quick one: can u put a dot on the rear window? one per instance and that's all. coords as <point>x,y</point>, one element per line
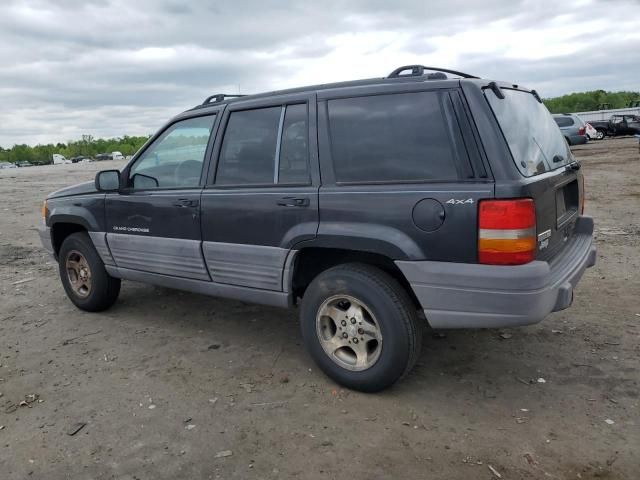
<point>391,138</point>
<point>535,141</point>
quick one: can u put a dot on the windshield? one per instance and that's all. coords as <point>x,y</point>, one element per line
<point>535,141</point>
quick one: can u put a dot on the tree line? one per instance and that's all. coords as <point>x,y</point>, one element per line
<point>87,146</point>
<point>593,100</point>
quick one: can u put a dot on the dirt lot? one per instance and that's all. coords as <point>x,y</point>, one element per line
<point>165,380</point>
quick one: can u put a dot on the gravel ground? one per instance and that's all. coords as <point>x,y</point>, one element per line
<point>176,385</point>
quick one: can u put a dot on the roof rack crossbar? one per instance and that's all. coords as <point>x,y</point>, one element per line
<point>219,97</point>
<point>418,70</point>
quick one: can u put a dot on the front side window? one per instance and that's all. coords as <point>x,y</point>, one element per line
<point>265,146</point>
<point>391,138</point>
<point>175,159</point>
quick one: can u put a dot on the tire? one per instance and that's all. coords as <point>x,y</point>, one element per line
<point>385,304</point>
<point>600,135</point>
<point>94,289</point>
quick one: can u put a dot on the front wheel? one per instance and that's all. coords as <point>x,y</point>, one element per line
<point>85,280</point>
<point>360,327</point>
<point>599,135</point>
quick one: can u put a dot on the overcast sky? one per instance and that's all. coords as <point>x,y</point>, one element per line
<point>116,67</point>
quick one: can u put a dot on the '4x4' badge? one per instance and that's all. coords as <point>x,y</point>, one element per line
<point>455,201</point>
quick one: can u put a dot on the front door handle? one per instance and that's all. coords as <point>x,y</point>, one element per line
<point>185,202</point>
<point>294,202</point>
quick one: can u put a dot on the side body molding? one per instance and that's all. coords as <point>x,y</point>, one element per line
<point>256,266</point>
<point>167,256</point>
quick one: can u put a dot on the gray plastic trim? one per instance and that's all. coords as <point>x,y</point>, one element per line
<point>45,237</point>
<point>245,294</point>
<point>460,295</point>
<point>166,256</point>
<point>256,266</point>
<point>99,240</point>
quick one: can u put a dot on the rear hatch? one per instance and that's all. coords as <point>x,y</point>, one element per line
<point>541,154</point>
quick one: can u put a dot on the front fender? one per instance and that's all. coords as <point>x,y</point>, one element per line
<point>88,212</point>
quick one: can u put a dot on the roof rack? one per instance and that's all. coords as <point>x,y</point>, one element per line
<point>418,70</point>
<point>219,97</point>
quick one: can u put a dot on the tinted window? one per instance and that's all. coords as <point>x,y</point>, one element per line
<point>248,148</point>
<point>175,158</point>
<point>563,121</point>
<point>294,151</point>
<point>533,137</point>
<point>400,137</point>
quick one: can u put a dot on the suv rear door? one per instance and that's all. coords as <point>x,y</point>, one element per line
<point>261,198</point>
<point>545,167</point>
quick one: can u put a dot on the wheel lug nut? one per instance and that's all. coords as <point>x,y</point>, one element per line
<point>353,320</point>
<point>344,323</point>
<point>355,340</point>
<point>360,331</point>
<point>344,335</point>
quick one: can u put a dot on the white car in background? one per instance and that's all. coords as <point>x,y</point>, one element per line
<point>4,165</point>
<point>60,159</point>
<point>591,132</point>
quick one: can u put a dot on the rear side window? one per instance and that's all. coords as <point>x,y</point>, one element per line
<point>564,121</point>
<point>386,138</point>
<point>265,146</point>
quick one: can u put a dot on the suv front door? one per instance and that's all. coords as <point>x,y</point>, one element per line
<point>261,200</point>
<point>153,224</point>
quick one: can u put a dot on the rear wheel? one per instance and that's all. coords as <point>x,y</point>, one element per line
<point>85,280</point>
<point>360,326</point>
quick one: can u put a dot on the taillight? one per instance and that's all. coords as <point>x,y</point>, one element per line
<point>581,131</point>
<point>506,231</point>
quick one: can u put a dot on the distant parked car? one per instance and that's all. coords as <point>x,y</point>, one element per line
<point>592,133</point>
<point>103,156</point>
<point>572,127</point>
<point>618,125</point>
<point>78,159</point>
<point>117,156</point>
<point>60,159</point>
<point>5,165</point>
<point>24,163</point>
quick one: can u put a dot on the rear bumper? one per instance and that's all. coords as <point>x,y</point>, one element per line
<point>45,238</point>
<point>578,139</point>
<point>457,295</point>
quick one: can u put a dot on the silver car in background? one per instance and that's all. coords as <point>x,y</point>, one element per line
<point>572,127</point>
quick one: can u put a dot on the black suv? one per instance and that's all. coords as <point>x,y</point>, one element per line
<point>377,206</point>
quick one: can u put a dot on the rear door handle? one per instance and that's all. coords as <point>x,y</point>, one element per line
<point>185,202</point>
<point>294,202</point>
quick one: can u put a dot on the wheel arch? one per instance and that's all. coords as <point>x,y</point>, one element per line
<point>62,228</point>
<point>311,261</point>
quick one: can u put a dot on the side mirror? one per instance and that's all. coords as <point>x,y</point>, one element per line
<point>108,181</point>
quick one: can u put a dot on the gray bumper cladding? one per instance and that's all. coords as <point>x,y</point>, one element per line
<point>45,238</point>
<point>457,295</point>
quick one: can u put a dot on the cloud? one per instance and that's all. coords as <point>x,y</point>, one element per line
<point>116,67</point>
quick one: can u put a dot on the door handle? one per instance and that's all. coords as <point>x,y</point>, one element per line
<point>294,202</point>
<point>185,202</point>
